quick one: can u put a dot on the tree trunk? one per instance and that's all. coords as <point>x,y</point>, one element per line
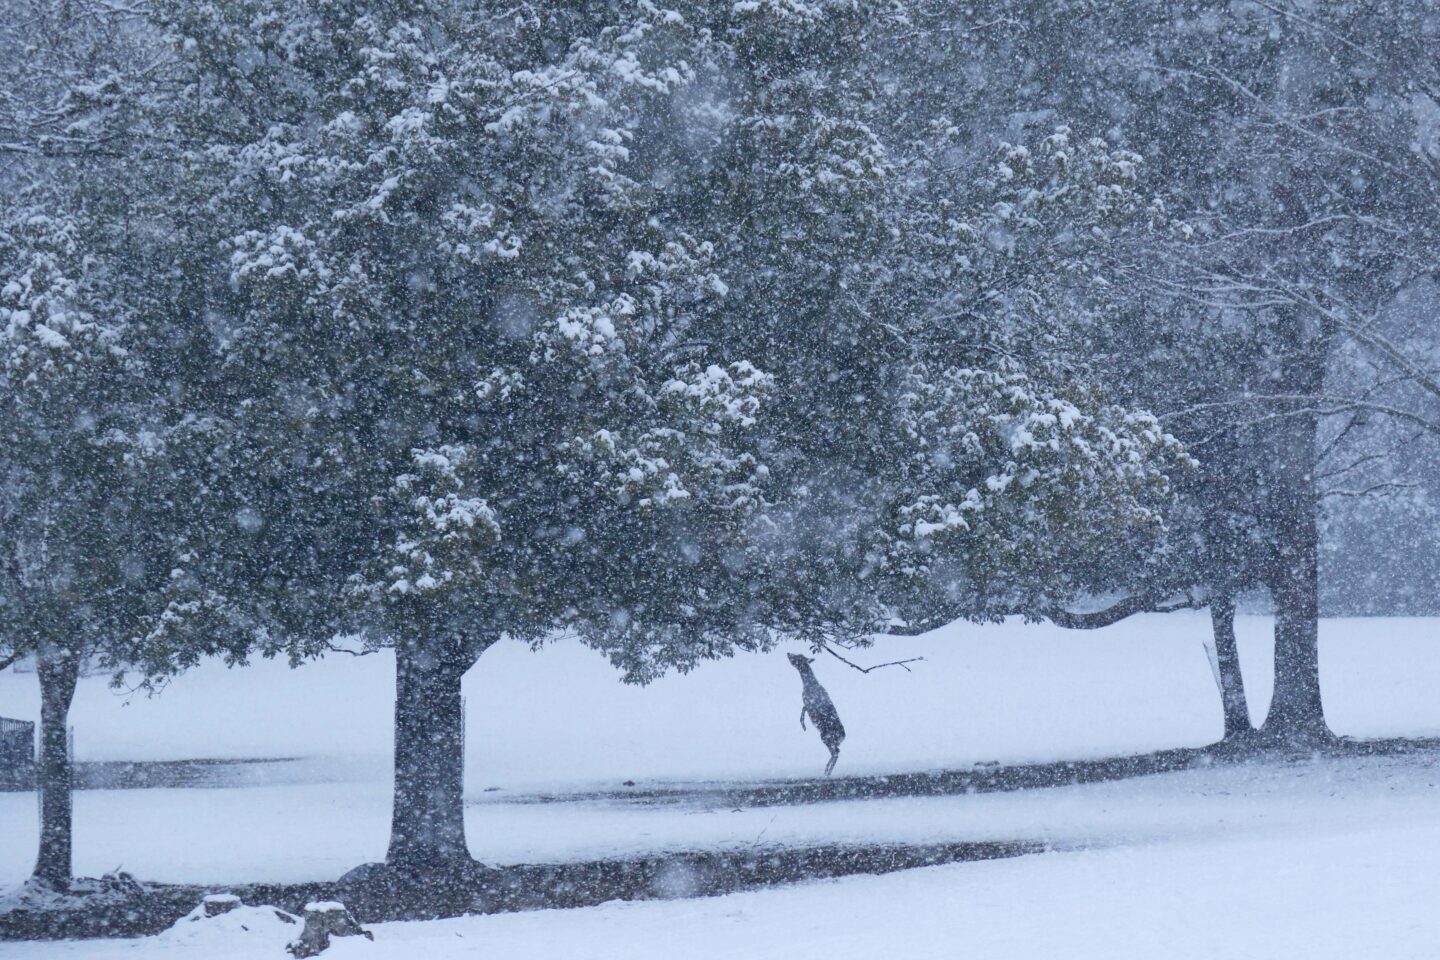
<point>1296,715</point>
<point>58,675</point>
<point>427,827</point>
<point>1227,659</point>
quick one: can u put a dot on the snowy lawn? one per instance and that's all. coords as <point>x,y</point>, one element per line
<point>1315,861</point>
<point>1320,858</point>
<point>558,719</point>
<point>1009,692</point>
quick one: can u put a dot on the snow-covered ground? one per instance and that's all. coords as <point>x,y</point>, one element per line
<point>559,717</point>
<point>1317,858</point>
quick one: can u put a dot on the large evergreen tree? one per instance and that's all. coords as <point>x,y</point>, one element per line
<point>456,330</point>
<point>501,287</point>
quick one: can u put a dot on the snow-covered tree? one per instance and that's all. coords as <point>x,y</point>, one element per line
<point>911,309</point>
<point>1313,217</point>
<point>72,550</point>
<point>583,319</point>
<point>949,454</point>
<point>1022,452</point>
<point>456,331</point>
<point>101,345</point>
<point>68,529</point>
<point>1298,143</point>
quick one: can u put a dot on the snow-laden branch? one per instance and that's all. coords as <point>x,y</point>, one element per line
<point>1121,610</point>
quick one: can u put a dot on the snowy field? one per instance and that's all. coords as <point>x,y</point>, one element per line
<point>1364,892</point>
<point>1217,862</point>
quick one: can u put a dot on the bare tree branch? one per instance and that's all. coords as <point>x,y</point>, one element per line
<point>335,648</point>
<point>849,663</point>
<point>1374,490</point>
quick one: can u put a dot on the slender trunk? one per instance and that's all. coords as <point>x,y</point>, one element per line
<point>1227,660</point>
<point>427,827</point>
<point>58,675</point>
<point>1296,714</point>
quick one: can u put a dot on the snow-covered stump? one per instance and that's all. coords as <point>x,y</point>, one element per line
<point>324,920</point>
<point>217,903</point>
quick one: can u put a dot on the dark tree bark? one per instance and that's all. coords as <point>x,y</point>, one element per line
<point>427,826</point>
<point>1296,714</point>
<point>58,675</point>
<point>1227,657</point>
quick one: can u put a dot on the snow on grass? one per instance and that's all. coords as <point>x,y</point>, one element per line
<point>536,721</point>
<point>1008,692</point>
<point>1323,858</point>
<point>318,831</point>
<point>560,717</point>
<point>1369,893</point>
<point>1336,891</point>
